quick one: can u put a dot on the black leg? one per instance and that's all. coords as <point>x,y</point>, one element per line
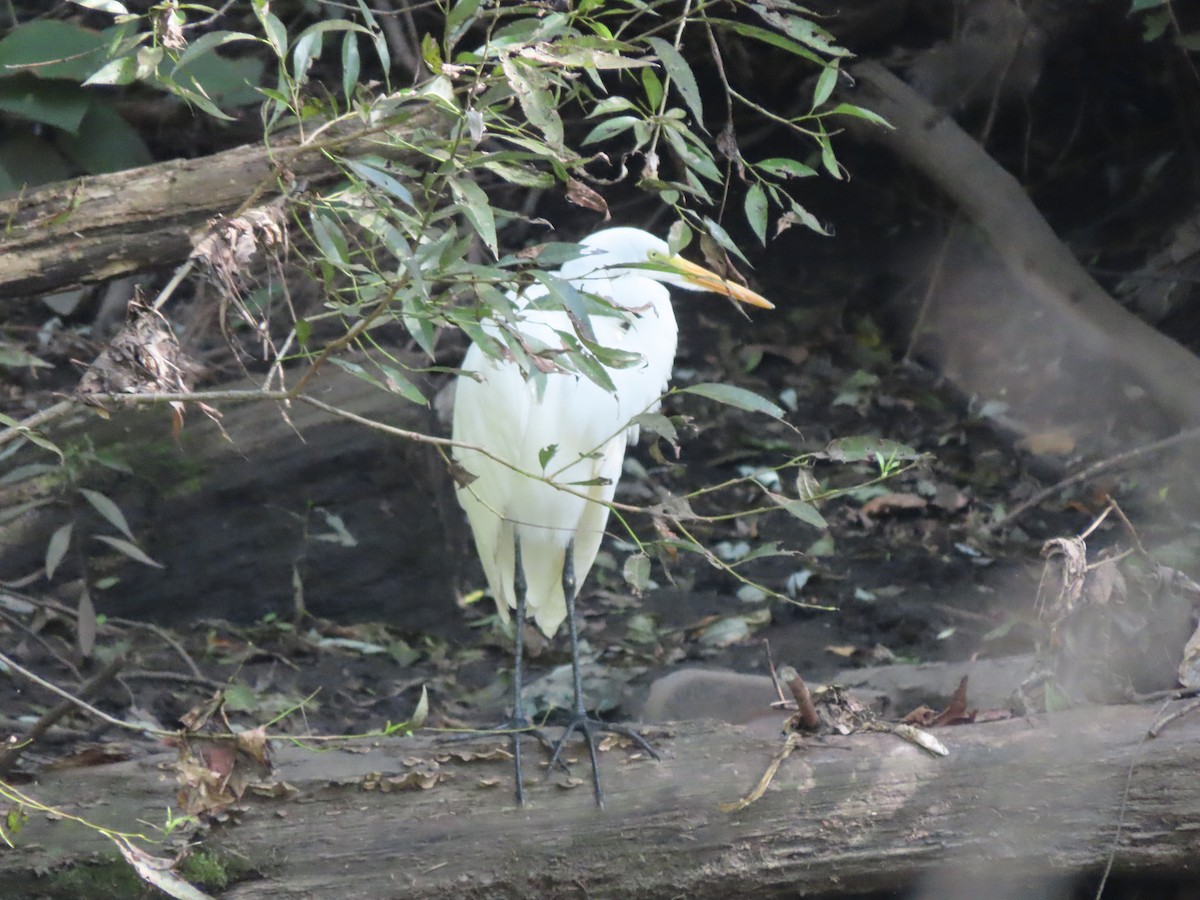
<point>580,721</point>
<point>519,724</point>
<point>520,588</point>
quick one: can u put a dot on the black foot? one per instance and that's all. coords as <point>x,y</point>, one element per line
<point>589,728</point>
<point>517,728</point>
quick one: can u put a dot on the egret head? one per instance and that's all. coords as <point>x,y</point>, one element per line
<point>620,248</point>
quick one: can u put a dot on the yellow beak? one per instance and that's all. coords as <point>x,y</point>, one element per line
<point>711,281</point>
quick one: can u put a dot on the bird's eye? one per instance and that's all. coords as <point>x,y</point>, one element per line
<point>656,256</point>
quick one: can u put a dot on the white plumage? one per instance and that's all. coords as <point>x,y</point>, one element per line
<point>504,413</point>
<point>517,419</point>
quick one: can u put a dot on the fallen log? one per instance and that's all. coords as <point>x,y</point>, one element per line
<point>1015,804</point>
<point>90,230</point>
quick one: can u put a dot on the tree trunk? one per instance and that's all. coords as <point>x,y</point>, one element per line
<point>996,203</point>
<point>1016,804</point>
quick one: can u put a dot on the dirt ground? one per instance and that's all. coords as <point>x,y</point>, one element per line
<point>905,571</point>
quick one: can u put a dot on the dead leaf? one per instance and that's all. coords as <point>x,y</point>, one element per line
<point>582,195</point>
<point>890,503</point>
<point>843,650</point>
<point>1054,442</point>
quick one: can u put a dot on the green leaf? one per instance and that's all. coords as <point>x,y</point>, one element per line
<point>104,142</point>
<point>569,297</point>
<point>610,105</point>
<point>478,210</point>
<point>653,88</point>
<point>546,454</point>
<point>307,49</point>
<point>460,14</point>
<point>801,509</point>
<point>721,236</point>
<point>133,551</point>
<point>738,397</point>
<point>610,128</point>
<point>802,30</point>
<point>770,37</point>
<point>863,449</point>
<point>274,29</point>
<point>109,510</point>
<point>382,180</point>
<point>1141,5</point>
<point>783,167</point>
<point>57,547</point>
<point>693,154</point>
<point>849,109</point>
<point>825,85</point>
<point>398,383</point>
<point>329,237</point>
<point>658,424</point>
<point>681,75</point>
<point>56,103</point>
<point>828,160</point>
<point>111,7</point>
<point>122,70</point>
<point>806,218</point>
<point>588,365</point>
<point>50,48</point>
<point>537,102</point>
<point>14,356</point>
<point>208,43</point>
<point>636,572</point>
<point>756,211</point>
<point>357,371</point>
<point>377,38</point>
<point>351,64</point>
<point>679,236</point>
<point>32,436</point>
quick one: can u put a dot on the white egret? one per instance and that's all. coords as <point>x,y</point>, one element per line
<point>535,540</point>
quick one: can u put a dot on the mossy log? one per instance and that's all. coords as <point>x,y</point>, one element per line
<point>1016,805</point>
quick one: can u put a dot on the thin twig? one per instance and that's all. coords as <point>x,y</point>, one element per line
<point>10,756</point>
<point>1112,462</point>
<point>81,704</point>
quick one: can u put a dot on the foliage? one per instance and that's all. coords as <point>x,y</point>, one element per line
<point>1158,18</point>
<point>505,102</point>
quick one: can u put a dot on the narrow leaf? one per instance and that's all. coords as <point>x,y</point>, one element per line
<point>478,210</point>
<point>85,625</point>
<point>421,713</point>
<point>756,211</point>
<point>537,102</point>
<point>784,167</point>
<point>398,383</point>
<point>863,449</point>
<point>681,75</point>
<point>825,85</point>
<point>382,180</point>
<point>659,424</point>
<point>610,128</point>
<point>56,548</point>
<point>351,64</point>
<point>731,395</point>
<point>801,509</point>
<point>108,510</point>
<point>133,551</point>
<point>636,572</point>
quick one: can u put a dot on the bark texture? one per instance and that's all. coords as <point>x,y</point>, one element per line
<point>1014,805</point>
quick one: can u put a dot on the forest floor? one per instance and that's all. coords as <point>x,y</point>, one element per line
<point>906,571</point>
